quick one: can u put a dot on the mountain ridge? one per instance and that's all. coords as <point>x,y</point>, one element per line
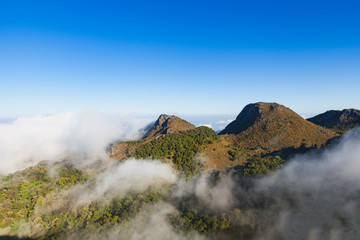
<point>340,120</point>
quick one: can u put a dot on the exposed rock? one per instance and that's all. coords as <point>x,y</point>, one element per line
<point>167,124</point>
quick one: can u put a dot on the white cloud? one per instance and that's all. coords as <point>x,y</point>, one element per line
<point>134,175</point>
<point>26,141</point>
<point>223,122</point>
<point>218,125</point>
<point>209,125</point>
<point>217,196</point>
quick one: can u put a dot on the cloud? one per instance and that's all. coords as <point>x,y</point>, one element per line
<point>150,224</point>
<point>131,175</point>
<point>209,125</point>
<point>315,196</point>
<point>215,196</point>
<point>26,141</point>
<point>223,122</point>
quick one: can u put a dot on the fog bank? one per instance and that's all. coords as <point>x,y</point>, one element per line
<point>28,140</point>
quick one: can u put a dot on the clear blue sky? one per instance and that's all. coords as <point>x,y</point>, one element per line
<point>177,57</point>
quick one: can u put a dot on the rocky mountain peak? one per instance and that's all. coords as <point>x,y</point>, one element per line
<point>166,124</point>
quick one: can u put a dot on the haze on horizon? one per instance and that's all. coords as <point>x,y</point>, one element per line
<point>187,58</point>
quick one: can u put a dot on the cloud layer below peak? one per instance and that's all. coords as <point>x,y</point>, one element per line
<point>26,141</point>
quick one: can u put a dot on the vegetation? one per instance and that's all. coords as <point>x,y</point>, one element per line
<point>22,192</point>
<point>179,148</point>
<point>37,202</point>
<point>168,124</point>
<point>188,220</point>
<point>32,200</point>
<point>260,166</point>
<point>95,216</point>
<point>235,154</point>
<point>269,127</point>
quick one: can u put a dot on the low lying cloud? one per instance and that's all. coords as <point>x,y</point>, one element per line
<point>150,224</point>
<point>315,196</point>
<point>215,196</point>
<point>131,175</point>
<point>26,141</point>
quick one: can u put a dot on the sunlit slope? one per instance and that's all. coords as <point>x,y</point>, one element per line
<point>271,127</point>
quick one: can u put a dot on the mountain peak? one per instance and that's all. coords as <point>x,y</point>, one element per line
<point>168,124</point>
<point>273,126</point>
<point>248,116</point>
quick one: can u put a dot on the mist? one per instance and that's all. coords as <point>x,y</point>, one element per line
<point>317,195</point>
<point>131,175</point>
<point>29,140</point>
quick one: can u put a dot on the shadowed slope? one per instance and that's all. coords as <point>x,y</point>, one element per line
<point>338,120</point>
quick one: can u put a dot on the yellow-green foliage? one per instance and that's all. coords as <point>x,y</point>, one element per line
<point>20,192</point>
<point>95,216</point>
<point>28,197</point>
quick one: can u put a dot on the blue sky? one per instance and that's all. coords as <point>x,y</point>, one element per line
<point>177,57</point>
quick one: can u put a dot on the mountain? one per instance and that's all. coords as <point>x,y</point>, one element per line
<point>163,126</point>
<point>338,120</point>
<point>271,127</point>
<point>168,124</point>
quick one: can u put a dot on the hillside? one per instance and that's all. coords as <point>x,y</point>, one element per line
<point>188,150</point>
<point>163,126</point>
<point>178,149</point>
<point>168,124</point>
<point>188,180</point>
<point>271,126</point>
<point>337,120</point>
<point>260,128</point>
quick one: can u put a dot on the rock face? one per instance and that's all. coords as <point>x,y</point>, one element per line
<point>244,120</point>
<point>272,126</point>
<point>338,120</point>
<point>166,124</point>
